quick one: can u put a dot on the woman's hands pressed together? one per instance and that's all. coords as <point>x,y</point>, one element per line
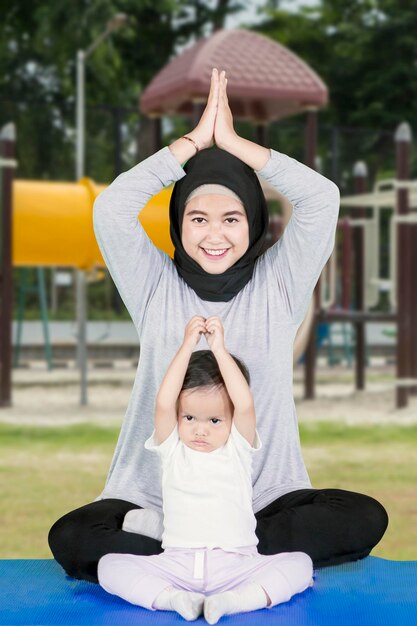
<point>203,133</point>
<point>216,126</point>
<point>216,123</point>
<point>224,133</point>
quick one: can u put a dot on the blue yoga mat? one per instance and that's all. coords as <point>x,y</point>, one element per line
<point>371,592</point>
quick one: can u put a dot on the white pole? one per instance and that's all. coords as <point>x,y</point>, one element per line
<point>81,284</point>
<point>80,115</point>
<point>80,287</point>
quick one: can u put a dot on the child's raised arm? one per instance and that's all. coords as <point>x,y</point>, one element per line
<point>244,416</point>
<point>166,400</point>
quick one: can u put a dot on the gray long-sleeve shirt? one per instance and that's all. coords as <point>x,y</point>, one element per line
<point>260,322</point>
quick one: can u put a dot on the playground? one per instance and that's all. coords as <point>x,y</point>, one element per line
<point>63,397</point>
<point>352,284</point>
<point>357,437</point>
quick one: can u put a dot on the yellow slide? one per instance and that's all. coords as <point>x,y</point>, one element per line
<point>53,223</point>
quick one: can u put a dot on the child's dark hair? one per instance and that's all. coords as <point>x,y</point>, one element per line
<point>203,371</point>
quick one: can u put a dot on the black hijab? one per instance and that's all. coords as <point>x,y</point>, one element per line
<point>216,166</point>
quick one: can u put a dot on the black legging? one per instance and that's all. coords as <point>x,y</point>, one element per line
<point>331,525</point>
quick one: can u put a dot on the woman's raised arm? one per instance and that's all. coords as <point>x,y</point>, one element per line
<point>203,134</point>
<point>226,138</point>
<point>133,261</point>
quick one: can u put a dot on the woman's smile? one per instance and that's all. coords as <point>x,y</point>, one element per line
<point>215,254</point>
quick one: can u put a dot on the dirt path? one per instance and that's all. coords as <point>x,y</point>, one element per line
<point>52,398</point>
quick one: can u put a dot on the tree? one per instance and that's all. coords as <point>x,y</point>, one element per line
<point>365,51</point>
<point>37,77</point>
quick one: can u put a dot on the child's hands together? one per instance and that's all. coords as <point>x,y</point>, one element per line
<point>211,328</point>
<point>215,334</point>
<point>193,331</point>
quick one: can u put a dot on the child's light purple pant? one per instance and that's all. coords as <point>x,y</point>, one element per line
<point>140,579</point>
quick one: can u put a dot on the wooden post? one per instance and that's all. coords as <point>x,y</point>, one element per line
<point>156,133</point>
<point>335,141</point>
<point>346,264</point>
<point>310,353</point>
<point>7,153</point>
<point>412,316</point>
<point>198,108</point>
<point>404,276</point>
<point>412,229</point>
<point>360,174</point>
<point>262,134</point>
<point>118,149</point>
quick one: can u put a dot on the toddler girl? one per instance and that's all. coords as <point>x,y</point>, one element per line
<point>205,435</point>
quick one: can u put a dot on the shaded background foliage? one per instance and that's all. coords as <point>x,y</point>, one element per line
<point>37,75</point>
<point>365,50</point>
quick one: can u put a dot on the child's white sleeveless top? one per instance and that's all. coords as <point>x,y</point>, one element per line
<point>207,496</point>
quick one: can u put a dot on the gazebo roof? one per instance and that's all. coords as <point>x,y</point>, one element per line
<point>266,81</point>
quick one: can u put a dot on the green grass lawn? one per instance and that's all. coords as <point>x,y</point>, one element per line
<point>46,472</point>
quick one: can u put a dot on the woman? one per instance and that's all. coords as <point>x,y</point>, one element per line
<point>219,219</point>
